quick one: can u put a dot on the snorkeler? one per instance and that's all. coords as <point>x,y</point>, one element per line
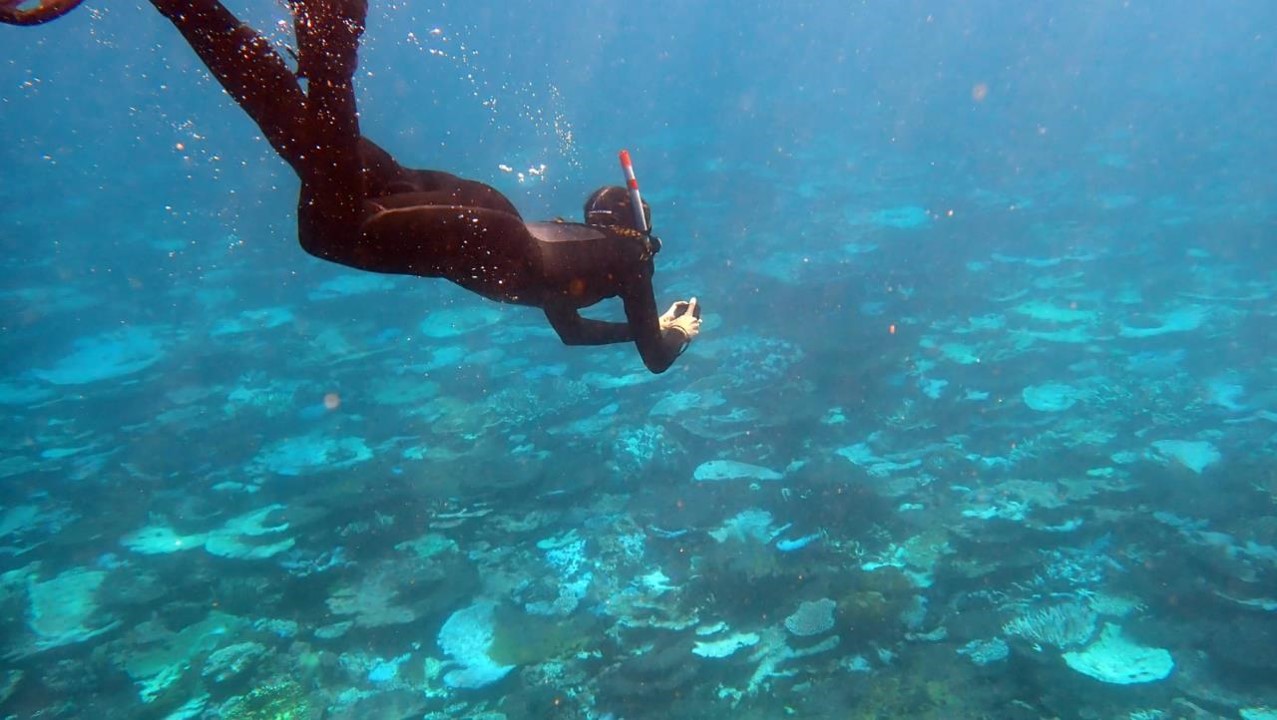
<point>358,207</point>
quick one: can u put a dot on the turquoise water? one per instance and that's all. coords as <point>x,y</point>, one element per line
<point>980,422</point>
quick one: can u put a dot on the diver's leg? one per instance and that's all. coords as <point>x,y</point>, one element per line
<point>328,34</point>
<point>248,68</point>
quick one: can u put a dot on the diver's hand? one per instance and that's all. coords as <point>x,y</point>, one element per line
<point>679,308</point>
<point>675,310</point>
<point>684,316</point>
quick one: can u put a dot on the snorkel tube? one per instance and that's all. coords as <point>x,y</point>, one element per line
<point>636,200</point>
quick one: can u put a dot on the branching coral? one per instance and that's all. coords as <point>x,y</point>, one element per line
<point>280,699</point>
<point>1062,626</point>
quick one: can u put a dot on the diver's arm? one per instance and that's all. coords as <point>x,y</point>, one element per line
<point>658,346</point>
<point>576,330</point>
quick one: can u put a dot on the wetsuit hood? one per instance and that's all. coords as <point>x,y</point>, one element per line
<point>610,205</point>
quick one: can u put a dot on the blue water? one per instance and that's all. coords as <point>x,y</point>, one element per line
<point>980,422</point>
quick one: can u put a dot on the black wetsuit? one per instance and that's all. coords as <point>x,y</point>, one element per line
<point>433,224</point>
<point>361,208</point>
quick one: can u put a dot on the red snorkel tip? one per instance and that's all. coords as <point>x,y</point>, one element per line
<point>631,182</point>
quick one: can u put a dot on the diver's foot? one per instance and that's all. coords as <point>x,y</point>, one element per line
<point>34,12</point>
